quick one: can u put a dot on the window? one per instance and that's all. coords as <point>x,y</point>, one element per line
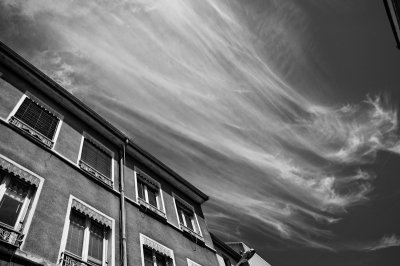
<point>153,258</point>
<point>149,193</point>
<point>187,219</point>
<point>96,160</point>
<point>36,120</point>
<point>87,237</point>
<point>17,196</point>
<point>14,200</point>
<point>154,253</point>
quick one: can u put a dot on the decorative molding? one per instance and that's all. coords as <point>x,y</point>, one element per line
<point>93,172</point>
<point>18,172</point>
<point>10,236</point>
<point>31,132</point>
<point>76,205</point>
<point>150,207</point>
<point>70,260</point>
<point>157,247</point>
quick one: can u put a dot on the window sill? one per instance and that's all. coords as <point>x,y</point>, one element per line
<point>195,237</point>
<point>144,207</point>
<point>10,236</point>
<point>30,132</point>
<point>94,173</point>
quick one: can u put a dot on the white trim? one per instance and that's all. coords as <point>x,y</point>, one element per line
<point>142,236</point>
<point>198,225</point>
<point>16,107</point>
<point>136,187</point>
<point>162,201</point>
<point>192,263</point>
<point>66,228</point>
<point>176,210</point>
<point>57,133</point>
<point>29,214</point>
<point>80,150</point>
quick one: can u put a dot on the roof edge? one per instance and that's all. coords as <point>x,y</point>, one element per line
<point>83,107</point>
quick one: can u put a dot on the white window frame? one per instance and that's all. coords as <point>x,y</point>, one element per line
<point>192,263</point>
<point>85,135</point>
<point>85,248</point>
<point>26,212</point>
<point>159,198</point>
<point>142,237</point>
<point>194,220</point>
<point>34,98</point>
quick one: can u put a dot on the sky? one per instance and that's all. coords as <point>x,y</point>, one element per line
<point>284,112</point>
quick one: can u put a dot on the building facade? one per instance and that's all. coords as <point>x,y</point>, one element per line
<point>74,190</point>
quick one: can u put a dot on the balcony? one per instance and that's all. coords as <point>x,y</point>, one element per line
<point>10,236</point>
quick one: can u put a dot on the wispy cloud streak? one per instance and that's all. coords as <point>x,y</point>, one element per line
<point>194,83</point>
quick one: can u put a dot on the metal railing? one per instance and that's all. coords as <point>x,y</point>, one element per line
<point>10,236</point>
<point>69,259</point>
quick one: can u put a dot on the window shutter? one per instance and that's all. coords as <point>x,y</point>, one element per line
<point>96,158</point>
<point>38,118</point>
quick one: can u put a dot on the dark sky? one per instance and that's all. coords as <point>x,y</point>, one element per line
<point>283,112</point>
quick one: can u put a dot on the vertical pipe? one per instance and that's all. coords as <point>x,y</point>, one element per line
<point>122,198</point>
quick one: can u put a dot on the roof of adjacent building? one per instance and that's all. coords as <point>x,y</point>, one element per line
<point>76,106</point>
<point>224,247</point>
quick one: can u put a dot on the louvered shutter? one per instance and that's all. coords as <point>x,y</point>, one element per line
<point>96,158</point>
<point>38,118</point>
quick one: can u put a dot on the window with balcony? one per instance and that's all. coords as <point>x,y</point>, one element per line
<point>187,218</point>
<point>149,194</point>
<point>155,254</point>
<point>36,120</point>
<point>87,237</point>
<point>17,191</point>
<point>96,160</point>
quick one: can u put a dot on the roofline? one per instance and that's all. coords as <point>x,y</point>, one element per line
<point>391,20</point>
<point>115,131</point>
<point>225,247</point>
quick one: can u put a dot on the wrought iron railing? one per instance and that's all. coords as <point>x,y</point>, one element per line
<point>150,207</point>
<point>10,236</point>
<point>69,259</point>
<point>93,172</point>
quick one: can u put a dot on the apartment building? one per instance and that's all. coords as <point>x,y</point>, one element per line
<point>74,190</point>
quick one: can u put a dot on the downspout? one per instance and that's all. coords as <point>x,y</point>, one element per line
<point>122,198</point>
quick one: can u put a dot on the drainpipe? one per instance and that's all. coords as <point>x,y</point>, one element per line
<point>122,198</point>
